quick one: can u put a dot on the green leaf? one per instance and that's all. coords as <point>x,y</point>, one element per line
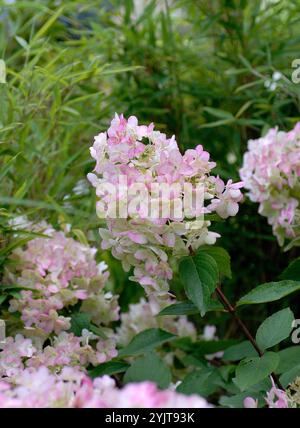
<point>269,292</point>
<point>150,368</point>
<point>188,308</point>
<point>221,257</point>
<point>275,328</point>
<point>199,275</point>
<point>146,341</point>
<point>237,401</point>
<point>81,321</point>
<point>182,308</point>
<point>2,299</point>
<point>292,272</point>
<point>252,370</point>
<point>110,368</point>
<point>290,376</point>
<point>81,237</point>
<point>43,30</point>
<point>220,114</point>
<point>98,331</point>
<point>238,352</point>
<point>206,347</point>
<point>202,382</point>
<point>289,357</point>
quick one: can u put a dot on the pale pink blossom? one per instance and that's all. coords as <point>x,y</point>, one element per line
<point>39,388</point>
<point>271,173</point>
<point>54,273</point>
<point>149,242</point>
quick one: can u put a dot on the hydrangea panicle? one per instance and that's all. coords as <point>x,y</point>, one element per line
<point>271,173</point>
<point>146,157</point>
<point>39,388</point>
<point>57,272</point>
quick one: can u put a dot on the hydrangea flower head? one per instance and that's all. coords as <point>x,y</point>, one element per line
<point>148,240</point>
<point>39,388</point>
<point>55,273</point>
<point>271,173</point>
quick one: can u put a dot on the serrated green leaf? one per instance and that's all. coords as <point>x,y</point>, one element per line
<point>199,275</point>
<point>221,257</point>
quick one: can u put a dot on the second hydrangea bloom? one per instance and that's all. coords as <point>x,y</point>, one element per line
<point>271,173</point>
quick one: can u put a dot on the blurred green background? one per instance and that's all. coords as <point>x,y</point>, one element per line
<point>212,72</point>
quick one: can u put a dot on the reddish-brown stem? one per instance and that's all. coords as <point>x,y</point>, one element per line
<point>228,306</point>
<point>231,309</point>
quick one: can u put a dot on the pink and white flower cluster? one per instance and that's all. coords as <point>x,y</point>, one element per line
<point>39,388</point>
<point>147,157</point>
<point>55,273</point>
<point>65,350</point>
<point>276,399</point>
<point>271,173</point>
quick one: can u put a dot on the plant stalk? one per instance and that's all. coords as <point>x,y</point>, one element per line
<point>227,305</point>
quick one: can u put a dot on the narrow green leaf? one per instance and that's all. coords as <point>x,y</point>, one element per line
<point>80,236</point>
<point>43,30</point>
<point>220,114</point>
